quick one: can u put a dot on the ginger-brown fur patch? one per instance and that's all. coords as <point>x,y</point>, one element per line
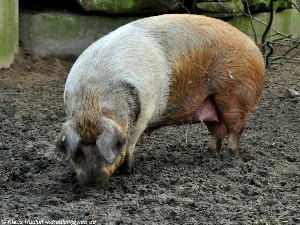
<point>120,159</point>
<point>88,114</point>
<point>188,81</point>
<point>226,64</point>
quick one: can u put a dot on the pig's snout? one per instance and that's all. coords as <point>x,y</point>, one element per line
<point>89,165</point>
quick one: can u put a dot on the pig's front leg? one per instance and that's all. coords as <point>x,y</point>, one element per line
<point>126,167</point>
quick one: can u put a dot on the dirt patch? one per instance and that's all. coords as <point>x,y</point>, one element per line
<point>175,180</point>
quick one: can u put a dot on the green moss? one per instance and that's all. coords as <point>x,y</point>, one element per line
<point>59,26</point>
<point>53,26</point>
<point>113,6</point>
<point>228,8</point>
<point>263,5</point>
<point>65,34</point>
<point>130,6</point>
<point>8,31</point>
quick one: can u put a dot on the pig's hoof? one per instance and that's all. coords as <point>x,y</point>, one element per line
<point>211,153</point>
<point>230,155</point>
<point>125,170</point>
<point>214,145</point>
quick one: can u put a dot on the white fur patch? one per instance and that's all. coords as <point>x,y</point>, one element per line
<point>128,54</point>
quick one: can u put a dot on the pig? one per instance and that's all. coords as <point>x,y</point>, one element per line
<point>157,71</point>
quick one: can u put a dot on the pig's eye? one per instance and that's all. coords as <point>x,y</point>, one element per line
<point>119,144</point>
<point>121,141</point>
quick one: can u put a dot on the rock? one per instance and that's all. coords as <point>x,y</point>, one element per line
<point>130,6</point>
<point>8,31</point>
<point>290,93</point>
<point>223,8</point>
<point>10,205</point>
<point>64,35</point>
<point>25,167</point>
<point>263,5</point>
<point>262,222</point>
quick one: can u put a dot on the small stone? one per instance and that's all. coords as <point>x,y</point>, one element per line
<point>24,168</point>
<point>290,93</point>
<point>10,205</point>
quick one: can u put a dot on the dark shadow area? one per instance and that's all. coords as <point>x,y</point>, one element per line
<point>46,5</point>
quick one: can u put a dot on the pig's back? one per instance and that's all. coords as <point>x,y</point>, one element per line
<point>180,34</point>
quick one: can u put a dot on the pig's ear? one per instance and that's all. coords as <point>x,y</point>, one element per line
<point>110,143</point>
<point>68,140</point>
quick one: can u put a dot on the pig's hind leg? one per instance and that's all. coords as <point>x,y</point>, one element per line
<point>218,132</point>
<point>234,115</point>
<point>208,113</point>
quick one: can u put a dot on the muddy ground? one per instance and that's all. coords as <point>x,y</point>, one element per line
<point>175,180</point>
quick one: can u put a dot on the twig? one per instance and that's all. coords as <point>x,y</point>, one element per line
<point>184,7</point>
<point>252,25</point>
<point>294,4</point>
<point>282,38</point>
<point>289,39</point>
<point>194,6</point>
<point>291,49</point>
<point>263,38</point>
<point>186,135</point>
<point>280,43</point>
<point>276,31</point>
<point>285,57</point>
<point>270,52</point>
<point>278,63</point>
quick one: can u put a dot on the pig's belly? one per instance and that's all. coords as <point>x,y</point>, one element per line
<point>206,112</point>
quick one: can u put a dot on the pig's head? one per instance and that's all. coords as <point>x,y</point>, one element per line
<point>96,150</point>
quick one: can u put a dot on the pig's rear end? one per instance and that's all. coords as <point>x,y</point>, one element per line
<point>217,75</point>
